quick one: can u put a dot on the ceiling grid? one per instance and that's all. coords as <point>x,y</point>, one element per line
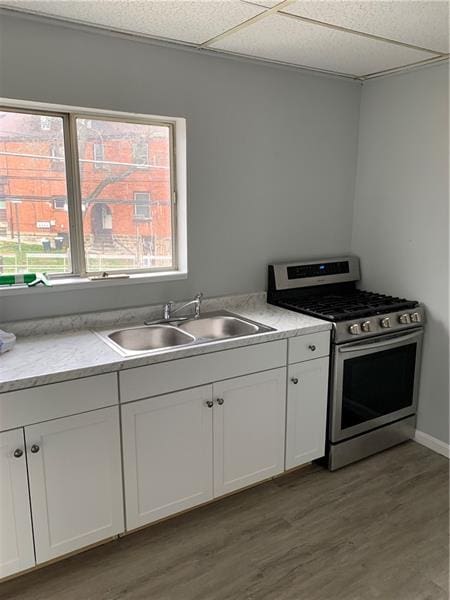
<point>345,38</point>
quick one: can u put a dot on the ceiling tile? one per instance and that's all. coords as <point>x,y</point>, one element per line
<point>288,40</point>
<point>193,21</point>
<point>423,23</point>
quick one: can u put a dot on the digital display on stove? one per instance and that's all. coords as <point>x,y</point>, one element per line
<point>318,270</point>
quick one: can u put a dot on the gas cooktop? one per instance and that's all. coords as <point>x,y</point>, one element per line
<point>345,305</point>
<point>326,289</point>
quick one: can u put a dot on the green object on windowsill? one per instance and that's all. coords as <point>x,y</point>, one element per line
<point>30,279</point>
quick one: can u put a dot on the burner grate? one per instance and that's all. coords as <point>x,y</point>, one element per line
<point>354,304</point>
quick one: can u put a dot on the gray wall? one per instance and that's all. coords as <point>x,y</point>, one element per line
<point>271,152</point>
<point>401,215</point>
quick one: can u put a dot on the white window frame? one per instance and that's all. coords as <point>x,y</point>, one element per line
<point>98,161</point>
<point>79,279</point>
<point>57,199</point>
<point>144,163</point>
<point>136,214</point>
<point>58,159</point>
<point>45,123</point>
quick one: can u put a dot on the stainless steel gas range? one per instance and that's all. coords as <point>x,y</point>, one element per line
<point>376,348</point>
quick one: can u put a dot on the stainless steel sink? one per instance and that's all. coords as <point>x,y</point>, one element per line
<point>163,335</point>
<point>152,337</point>
<point>218,328</point>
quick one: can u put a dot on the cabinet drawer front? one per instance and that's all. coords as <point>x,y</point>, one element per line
<point>55,400</point>
<point>144,382</point>
<point>307,347</point>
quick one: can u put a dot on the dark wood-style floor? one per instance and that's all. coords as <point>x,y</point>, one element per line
<point>376,530</point>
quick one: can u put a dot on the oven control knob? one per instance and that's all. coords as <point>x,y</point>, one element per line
<point>404,319</point>
<point>366,326</point>
<point>415,317</point>
<point>386,322</point>
<point>355,329</point>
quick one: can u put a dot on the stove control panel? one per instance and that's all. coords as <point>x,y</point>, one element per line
<point>378,325</point>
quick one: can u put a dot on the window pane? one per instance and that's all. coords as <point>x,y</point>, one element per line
<point>127,210</point>
<point>34,223</point>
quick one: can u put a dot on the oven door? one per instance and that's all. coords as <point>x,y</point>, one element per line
<point>374,382</point>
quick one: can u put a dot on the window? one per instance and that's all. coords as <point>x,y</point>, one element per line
<point>46,123</point>
<point>91,224</point>
<point>140,153</point>
<point>142,205</point>
<point>59,203</point>
<point>99,152</point>
<point>32,182</point>
<point>57,154</point>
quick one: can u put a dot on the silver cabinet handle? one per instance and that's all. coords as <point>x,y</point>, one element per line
<point>294,380</point>
<point>312,347</point>
<point>209,403</point>
<point>18,453</point>
<point>34,449</point>
<point>220,401</point>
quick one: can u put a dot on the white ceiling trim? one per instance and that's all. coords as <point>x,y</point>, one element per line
<point>281,63</point>
<point>151,40</point>
<point>248,22</point>
<point>192,47</point>
<point>410,67</point>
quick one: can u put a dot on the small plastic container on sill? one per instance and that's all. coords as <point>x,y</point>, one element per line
<point>7,341</point>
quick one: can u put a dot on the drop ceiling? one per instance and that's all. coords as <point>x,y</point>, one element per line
<point>343,37</point>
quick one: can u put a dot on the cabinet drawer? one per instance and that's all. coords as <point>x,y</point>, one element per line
<point>55,400</point>
<point>144,382</point>
<point>307,347</point>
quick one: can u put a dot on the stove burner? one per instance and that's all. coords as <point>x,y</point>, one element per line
<point>348,305</point>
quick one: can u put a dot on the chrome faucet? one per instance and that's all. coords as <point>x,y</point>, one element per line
<point>169,310</point>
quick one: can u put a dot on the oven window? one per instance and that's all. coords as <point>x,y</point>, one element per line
<point>377,384</point>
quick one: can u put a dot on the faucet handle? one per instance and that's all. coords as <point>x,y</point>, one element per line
<point>198,300</point>
<point>167,309</point>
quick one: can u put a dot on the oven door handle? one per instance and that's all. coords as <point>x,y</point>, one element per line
<point>380,344</point>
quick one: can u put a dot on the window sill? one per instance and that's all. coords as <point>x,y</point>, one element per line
<point>77,283</point>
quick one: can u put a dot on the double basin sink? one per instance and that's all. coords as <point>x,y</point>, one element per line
<point>159,336</point>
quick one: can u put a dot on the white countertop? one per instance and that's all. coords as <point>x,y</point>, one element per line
<point>58,356</point>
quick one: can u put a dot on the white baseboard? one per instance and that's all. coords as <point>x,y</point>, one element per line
<point>432,443</point>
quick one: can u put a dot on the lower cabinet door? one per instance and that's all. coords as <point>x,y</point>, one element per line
<point>249,429</point>
<point>167,449</point>
<point>74,467</point>
<point>16,538</point>
<point>306,411</point>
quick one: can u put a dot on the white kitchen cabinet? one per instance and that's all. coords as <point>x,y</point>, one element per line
<point>249,429</point>
<point>167,448</point>
<point>74,467</point>
<point>16,538</point>
<point>192,429</point>
<point>306,411</point>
